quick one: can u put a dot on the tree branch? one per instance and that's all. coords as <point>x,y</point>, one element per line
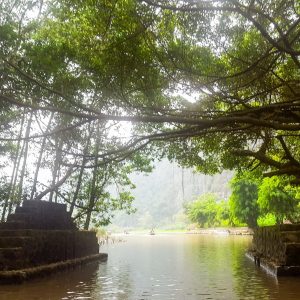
<point>55,186</point>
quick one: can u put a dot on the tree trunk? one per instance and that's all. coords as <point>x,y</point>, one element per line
<point>14,172</point>
<point>14,185</point>
<point>56,185</point>
<point>79,181</point>
<point>22,175</point>
<point>38,164</point>
<point>92,198</point>
<point>56,167</point>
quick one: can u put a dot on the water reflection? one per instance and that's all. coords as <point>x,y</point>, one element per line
<point>164,267</point>
<point>74,284</point>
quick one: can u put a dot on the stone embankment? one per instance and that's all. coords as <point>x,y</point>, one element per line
<point>41,237</point>
<point>277,249</point>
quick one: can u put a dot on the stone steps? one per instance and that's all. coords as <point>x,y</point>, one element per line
<point>289,227</point>
<point>291,240</point>
<point>40,233</point>
<point>11,254</point>
<point>14,233</point>
<point>279,245</point>
<point>13,225</point>
<point>16,241</point>
<point>290,236</point>
<point>26,209</point>
<point>12,258</point>
<point>19,217</point>
<point>39,215</point>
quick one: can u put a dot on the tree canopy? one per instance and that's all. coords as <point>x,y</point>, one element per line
<point>212,84</point>
<point>263,201</point>
<point>280,199</point>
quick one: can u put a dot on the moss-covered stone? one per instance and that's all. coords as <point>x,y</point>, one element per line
<point>18,276</point>
<point>42,233</point>
<point>278,247</point>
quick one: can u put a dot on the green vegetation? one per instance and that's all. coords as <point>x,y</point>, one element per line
<point>254,201</point>
<point>91,86</point>
<point>208,212</point>
<point>278,198</point>
<point>160,195</point>
<point>243,200</point>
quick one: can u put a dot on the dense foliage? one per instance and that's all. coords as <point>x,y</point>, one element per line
<point>207,211</point>
<point>255,199</point>
<point>243,200</point>
<point>86,84</point>
<point>280,199</point>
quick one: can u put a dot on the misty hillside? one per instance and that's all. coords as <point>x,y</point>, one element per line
<point>160,195</point>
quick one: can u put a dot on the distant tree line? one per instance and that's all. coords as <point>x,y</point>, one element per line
<point>254,201</point>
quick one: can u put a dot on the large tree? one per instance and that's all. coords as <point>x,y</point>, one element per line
<point>141,62</point>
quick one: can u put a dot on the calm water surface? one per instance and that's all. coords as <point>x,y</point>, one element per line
<point>164,267</point>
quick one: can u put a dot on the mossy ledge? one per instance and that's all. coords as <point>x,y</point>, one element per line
<point>19,276</point>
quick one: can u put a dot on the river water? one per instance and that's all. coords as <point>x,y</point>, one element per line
<point>175,266</point>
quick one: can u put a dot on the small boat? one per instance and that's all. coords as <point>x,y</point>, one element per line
<point>152,232</point>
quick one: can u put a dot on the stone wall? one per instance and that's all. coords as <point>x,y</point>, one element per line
<point>40,233</point>
<point>278,244</point>
<point>58,245</point>
<point>37,214</point>
<point>29,248</point>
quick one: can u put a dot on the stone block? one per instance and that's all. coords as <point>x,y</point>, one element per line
<point>41,233</point>
<point>15,241</point>
<point>278,245</point>
<point>292,253</point>
<point>290,236</point>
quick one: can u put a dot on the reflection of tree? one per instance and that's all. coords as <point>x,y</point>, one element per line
<point>210,258</point>
<point>65,285</point>
<point>249,282</point>
<point>220,264</point>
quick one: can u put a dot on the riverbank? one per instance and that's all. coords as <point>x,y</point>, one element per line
<point>223,231</point>
<point>208,231</point>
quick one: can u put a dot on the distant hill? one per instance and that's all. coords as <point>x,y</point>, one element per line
<point>160,195</point>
